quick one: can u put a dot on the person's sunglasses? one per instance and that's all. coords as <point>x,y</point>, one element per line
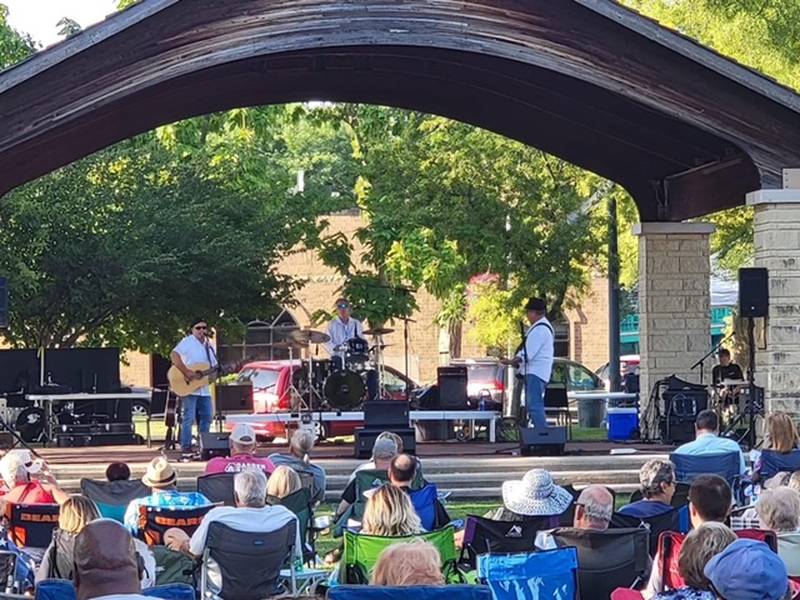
<point>343,306</point>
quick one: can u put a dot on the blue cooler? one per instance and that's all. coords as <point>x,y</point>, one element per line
<point>622,423</point>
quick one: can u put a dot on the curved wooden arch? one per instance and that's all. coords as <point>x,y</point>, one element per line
<point>686,131</point>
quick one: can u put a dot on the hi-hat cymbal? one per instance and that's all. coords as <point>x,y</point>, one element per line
<point>287,344</point>
<point>379,331</point>
<point>309,336</point>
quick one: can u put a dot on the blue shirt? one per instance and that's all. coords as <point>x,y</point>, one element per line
<point>710,443</point>
<point>169,499</point>
<point>644,509</point>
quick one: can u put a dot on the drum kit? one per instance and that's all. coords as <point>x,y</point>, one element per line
<point>352,375</point>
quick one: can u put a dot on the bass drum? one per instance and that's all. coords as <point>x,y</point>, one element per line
<point>30,424</point>
<point>344,390</point>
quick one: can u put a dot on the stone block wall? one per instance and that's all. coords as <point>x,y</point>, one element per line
<point>589,326</point>
<point>674,299</point>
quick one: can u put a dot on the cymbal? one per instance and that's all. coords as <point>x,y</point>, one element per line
<point>379,331</point>
<point>309,336</point>
<point>732,382</point>
<point>287,344</point>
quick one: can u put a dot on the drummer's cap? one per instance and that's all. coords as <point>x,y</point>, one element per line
<point>343,303</point>
<point>536,304</point>
<point>197,320</point>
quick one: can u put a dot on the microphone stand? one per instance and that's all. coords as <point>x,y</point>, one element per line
<point>701,363</point>
<point>406,321</point>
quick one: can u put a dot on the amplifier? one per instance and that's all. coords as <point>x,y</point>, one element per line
<point>386,414</point>
<point>214,444</point>
<point>538,441</point>
<point>452,383</point>
<point>80,440</point>
<point>234,398</point>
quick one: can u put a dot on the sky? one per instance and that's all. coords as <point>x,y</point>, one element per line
<point>39,17</point>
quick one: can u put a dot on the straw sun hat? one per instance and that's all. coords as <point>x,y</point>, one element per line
<point>535,495</point>
<point>159,474</point>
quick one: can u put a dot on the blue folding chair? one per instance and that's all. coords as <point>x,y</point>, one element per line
<point>727,465</point>
<point>424,502</point>
<point>547,575</point>
<point>61,589</point>
<point>419,592</point>
<point>773,462</point>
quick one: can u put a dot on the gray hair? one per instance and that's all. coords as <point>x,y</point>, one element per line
<point>653,473</point>
<point>597,503</point>
<point>779,509</point>
<point>302,443</point>
<point>13,469</point>
<point>251,488</point>
<point>385,448</point>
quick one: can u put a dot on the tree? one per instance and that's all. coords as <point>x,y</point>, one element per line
<point>14,46</point>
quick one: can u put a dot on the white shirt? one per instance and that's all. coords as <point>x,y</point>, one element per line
<point>192,351</point>
<point>539,342</point>
<point>340,332</point>
<point>250,520</point>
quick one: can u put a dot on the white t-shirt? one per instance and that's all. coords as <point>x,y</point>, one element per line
<point>192,351</point>
<point>250,520</point>
<point>539,342</point>
<point>340,332</point>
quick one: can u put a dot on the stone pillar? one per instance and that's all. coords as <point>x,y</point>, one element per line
<point>674,303</point>
<point>777,248</point>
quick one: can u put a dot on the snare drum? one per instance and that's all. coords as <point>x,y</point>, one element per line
<point>357,354</point>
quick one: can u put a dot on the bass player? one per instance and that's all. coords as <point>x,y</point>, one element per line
<point>193,349</point>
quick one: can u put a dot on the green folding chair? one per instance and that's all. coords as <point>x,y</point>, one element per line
<point>361,552</point>
<point>301,505</point>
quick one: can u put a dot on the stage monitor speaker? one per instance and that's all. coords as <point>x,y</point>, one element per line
<point>538,441</point>
<point>386,414</point>
<point>452,383</point>
<point>753,292</point>
<point>365,440</point>
<point>4,302</point>
<point>234,398</point>
<point>214,444</point>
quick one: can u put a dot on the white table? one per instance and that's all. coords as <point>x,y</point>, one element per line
<point>357,415</point>
<point>47,400</point>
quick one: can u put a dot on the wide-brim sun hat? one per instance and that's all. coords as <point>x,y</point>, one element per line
<point>535,495</point>
<point>159,474</point>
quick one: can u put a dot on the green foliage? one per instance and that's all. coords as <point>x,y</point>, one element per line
<point>14,46</point>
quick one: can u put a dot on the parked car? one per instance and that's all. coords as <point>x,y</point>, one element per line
<point>626,362</point>
<point>271,383</point>
<point>486,376</point>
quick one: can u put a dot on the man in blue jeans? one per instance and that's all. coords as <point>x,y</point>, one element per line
<point>535,360</point>
<point>194,349</point>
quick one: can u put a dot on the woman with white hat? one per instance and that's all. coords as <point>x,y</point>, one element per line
<point>535,495</point>
<point>29,481</point>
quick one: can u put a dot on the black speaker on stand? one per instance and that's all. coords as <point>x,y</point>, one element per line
<point>753,304</point>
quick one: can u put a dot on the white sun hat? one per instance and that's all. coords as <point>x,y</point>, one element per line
<point>535,495</point>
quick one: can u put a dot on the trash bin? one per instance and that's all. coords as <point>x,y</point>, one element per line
<point>623,423</point>
<point>591,412</point>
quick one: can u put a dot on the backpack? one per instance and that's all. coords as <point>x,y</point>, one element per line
<point>173,567</point>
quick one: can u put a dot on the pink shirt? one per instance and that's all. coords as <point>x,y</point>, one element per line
<point>238,463</point>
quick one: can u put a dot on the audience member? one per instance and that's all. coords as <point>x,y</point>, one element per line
<point>794,481</point>
<point>118,471</point>
<point>779,510</point>
<point>162,480</point>
<point>707,440</point>
<point>657,478</point>
<point>59,558</point>
<point>710,501</point>
<point>536,495</point>
<point>402,473</point>
<point>413,563</point>
<point>29,481</point>
<point>383,451</point>
<point>251,515</point>
<point>299,459</point>
<point>283,482</point>
<point>699,546</point>
<point>243,444</point>
<point>106,566</point>
<point>389,513</point>
<point>371,465</point>
<point>593,510</point>
<point>781,437</point>
<point>748,570</point>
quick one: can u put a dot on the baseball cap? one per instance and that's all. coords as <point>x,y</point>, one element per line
<point>26,458</point>
<point>243,434</point>
<point>748,570</point>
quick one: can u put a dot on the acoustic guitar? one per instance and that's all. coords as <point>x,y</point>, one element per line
<point>180,386</point>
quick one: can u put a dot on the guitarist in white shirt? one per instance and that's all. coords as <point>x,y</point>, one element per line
<point>191,350</point>
<point>535,360</point>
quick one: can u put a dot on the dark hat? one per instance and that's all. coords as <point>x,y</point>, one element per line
<point>536,304</point>
<point>197,320</point>
<point>105,560</point>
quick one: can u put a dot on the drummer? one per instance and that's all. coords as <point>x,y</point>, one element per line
<point>726,370</point>
<point>342,329</point>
